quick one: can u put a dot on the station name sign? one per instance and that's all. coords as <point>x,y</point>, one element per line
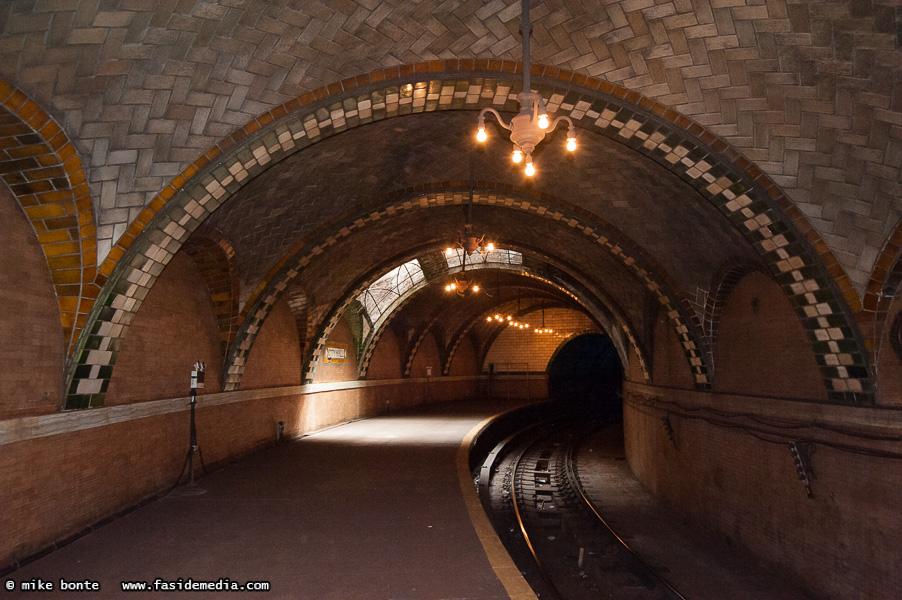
<point>336,354</point>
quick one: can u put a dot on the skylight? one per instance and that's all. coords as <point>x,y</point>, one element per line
<point>498,255</point>
<point>381,293</point>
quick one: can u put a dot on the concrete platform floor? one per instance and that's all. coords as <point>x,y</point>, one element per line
<point>372,509</point>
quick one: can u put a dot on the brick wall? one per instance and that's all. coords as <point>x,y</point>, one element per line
<point>843,543</point>
<point>386,360</point>
<point>69,481</point>
<point>519,386</point>
<point>761,347</point>
<point>31,336</point>
<point>175,328</point>
<point>464,362</point>
<point>633,372</point>
<point>275,358</point>
<point>341,334</point>
<point>669,366</point>
<point>526,346</point>
<point>427,356</point>
<point>889,366</point>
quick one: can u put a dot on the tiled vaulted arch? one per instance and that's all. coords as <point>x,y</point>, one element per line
<point>742,192</point>
<point>214,257</point>
<point>608,238</point>
<point>43,170</point>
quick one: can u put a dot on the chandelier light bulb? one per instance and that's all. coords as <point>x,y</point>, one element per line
<point>530,169</point>
<point>475,288</point>
<point>453,286</point>
<point>543,121</point>
<point>490,247</point>
<point>448,288</point>
<point>449,251</point>
<point>571,144</point>
<point>481,135</point>
<point>518,156</point>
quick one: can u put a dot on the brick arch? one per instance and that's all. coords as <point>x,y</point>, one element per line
<point>44,172</point>
<point>611,240</point>
<point>214,257</point>
<point>413,344</point>
<point>300,309</point>
<point>330,320</point>
<point>723,282</point>
<point>770,222</point>
<point>369,345</point>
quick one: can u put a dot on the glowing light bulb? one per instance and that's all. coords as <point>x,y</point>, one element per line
<point>453,286</point>
<point>517,156</point>
<point>481,135</point>
<point>530,170</point>
<point>508,317</point>
<point>475,288</point>
<point>449,251</point>
<point>571,144</point>
<point>490,247</point>
<point>447,288</point>
<point>489,319</point>
<point>543,121</point>
<point>497,316</point>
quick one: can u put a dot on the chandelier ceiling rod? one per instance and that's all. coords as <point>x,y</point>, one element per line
<point>526,33</point>
<point>528,126</point>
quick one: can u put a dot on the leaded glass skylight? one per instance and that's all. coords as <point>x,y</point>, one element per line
<point>390,287</point>
<point>498,255</point>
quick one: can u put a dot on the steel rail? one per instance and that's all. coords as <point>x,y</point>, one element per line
<point>545,576</point>
<point>575,483</point>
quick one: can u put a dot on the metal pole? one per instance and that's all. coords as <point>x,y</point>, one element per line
<point>525,31</point>
<point>193,440</point>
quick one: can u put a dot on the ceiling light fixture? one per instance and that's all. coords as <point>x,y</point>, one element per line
<point>529,126</point>
<point>544,329</point>
<point>469,243</point>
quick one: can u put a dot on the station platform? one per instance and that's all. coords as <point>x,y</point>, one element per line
<point>382,508</point>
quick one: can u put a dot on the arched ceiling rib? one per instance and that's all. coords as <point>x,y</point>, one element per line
<point>652,206</point>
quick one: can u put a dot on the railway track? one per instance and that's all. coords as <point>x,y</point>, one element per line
<point>531,490</point>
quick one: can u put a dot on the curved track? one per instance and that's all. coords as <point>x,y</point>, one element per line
<point>554,533</point>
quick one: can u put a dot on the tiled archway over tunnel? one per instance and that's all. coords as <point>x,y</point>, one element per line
<point>810,275</point>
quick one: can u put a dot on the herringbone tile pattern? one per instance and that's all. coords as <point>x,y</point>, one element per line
<point>808,90</point>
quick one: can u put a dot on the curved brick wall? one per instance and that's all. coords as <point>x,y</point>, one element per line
<point>277,359</point>
<point>176,329</point>
<point>32,350</point>
<point>761,347</point>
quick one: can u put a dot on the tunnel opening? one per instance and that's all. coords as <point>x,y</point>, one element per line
<point>586,375</point>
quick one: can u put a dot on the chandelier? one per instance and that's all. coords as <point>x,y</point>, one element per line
<point>460,284</point>
<point>469,242</point>
<point>529,126</point>
<point>544,329</point>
